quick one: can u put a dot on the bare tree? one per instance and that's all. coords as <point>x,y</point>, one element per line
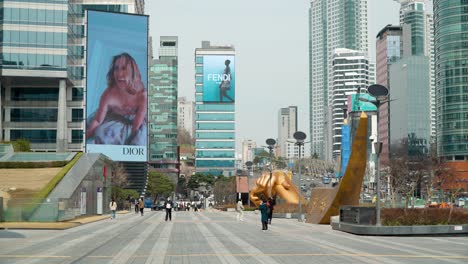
<point>184,138</point>
<point>119,176</point>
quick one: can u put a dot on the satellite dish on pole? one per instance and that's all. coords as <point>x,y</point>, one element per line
<point>249,164</point>
<point>378,91</point>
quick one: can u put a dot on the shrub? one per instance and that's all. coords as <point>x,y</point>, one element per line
<point>423,216</point>
<point>27,164</point>
<point>21,145</point>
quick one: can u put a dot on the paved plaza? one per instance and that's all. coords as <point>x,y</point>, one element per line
<point>216,237</point>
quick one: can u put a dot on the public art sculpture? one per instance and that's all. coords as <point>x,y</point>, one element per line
<point>281,185</point>
<point>326,202</point>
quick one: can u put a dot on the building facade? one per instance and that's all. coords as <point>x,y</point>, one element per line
<point>162,107</point>
<point>418,39</point>
<point>215,140</point>
<point>332,24</point>
<point>388,49</point>
<point>287,126</point>
<point>451,32</point>
<point>350,74</point>
<point>42,70</point>
<point>248,147</point>
<point>186,115</point>
<point>410,106</point>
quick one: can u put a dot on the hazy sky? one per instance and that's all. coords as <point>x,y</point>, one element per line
<point>271,42</point>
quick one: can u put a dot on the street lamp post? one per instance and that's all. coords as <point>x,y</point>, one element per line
<point>380,93</point>
<point>299,137</point>
<point>271,144</point>
<point>249,167</point>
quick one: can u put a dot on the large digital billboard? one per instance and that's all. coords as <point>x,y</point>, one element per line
<point>219,79</point>
<point>116,85</point>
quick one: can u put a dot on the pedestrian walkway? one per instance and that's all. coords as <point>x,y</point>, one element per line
<point>213,236</point>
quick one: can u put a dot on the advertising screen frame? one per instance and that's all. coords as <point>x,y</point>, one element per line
<point>219,78</point>
<point>113,38</point>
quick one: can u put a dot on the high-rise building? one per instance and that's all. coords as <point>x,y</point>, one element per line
<point>287,126</point>
<point>409,116</point>
<point>332,24</point>
<point>350,74</point>
<point>162,107</point>
<point>248,147</point>
<point>186,115</point>
<point>215,140</point>
<point>388,49</point>
<point>451,60</point>
<point>418,39</point>
<point>42,70</point>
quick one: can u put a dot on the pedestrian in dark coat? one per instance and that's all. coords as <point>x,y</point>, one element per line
<point>168,206</point>
<point>264,215</point>
<point>270,205</point>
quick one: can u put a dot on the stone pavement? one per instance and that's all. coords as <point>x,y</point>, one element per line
<point>216,237</point>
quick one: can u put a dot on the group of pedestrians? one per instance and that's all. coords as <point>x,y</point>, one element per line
<point>139,206</point>
<point>266,211</point>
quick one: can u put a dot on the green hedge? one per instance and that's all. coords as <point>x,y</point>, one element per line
<point>28,164</point>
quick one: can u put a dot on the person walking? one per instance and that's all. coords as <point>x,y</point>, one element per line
<point>136,206</point>
<point>270,205</point>
<point>168,206</point>
<point>240,211</point>
<point>141,205</point>
<point>113,208</point>
<point>264,216</point>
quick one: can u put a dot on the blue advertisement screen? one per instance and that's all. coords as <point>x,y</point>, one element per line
<point>219,79</point>
<point>116,85</point>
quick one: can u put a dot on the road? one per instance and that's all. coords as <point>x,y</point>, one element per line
<point>216,237</point>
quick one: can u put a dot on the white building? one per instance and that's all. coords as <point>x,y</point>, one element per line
<point>350,74</point>
<point>332,24</point>
<point>247,150</point>
<point>186,115</point>
<point>287,126</point>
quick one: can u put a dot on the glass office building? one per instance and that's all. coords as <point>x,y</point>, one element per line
<point>162,108</point>
<point>451,53</point>
<point>42,70</point>
<point>215,140</point>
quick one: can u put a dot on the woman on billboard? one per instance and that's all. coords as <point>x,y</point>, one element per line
<point>225,84</point>
<point>121,116</point>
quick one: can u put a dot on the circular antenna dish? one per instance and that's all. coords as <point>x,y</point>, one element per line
<point>270,142</point>
<point>299,135</point>
<point>377,90</point>
<point>249,164</point>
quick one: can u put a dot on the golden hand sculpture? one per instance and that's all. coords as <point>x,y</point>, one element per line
<point>280,184</point>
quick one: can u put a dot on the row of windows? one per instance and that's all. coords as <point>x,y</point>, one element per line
<point>76,52</point>
<point>215,154</point>
<point>216,107</point>
<point>215,117</point>
<point>42,94</point>
<point>214,163</point>
<point>215,126</point>
<point>42,115</point>
<point>215,144</point>
<point>44,136</point>
<point>36,39</point>
<point>215,135</point>
<point>33,16</point>
<point>41,61</point>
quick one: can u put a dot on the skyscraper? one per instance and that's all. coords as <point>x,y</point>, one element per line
<point>162,107</point>
<point>42,70</point>
<point>215,79</point>
<point>287,126</point>
<point>332,24</point>
<point>350,74</point>
<point>418,36</point>
<point>248,147</point>
<point>451,36</point>
<point>388,49</point>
